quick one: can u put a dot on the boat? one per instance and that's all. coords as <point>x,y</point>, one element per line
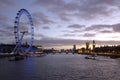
<point>91,57</point>
<point>16,58</point>
<point>39,55</point>
<point>114,57</point>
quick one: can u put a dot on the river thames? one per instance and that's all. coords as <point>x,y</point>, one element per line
<point>60,67</point>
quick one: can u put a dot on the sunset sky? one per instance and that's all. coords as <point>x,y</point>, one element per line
<point>63,23</point>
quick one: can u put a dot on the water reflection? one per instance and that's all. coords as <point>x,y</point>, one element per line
<point>60,67</point>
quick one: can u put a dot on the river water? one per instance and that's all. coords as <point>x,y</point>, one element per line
<point>60,67</point>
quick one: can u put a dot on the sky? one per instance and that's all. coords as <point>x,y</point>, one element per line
<point>63,23</point>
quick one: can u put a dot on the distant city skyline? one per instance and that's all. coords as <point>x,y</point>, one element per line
<point>63,23</point>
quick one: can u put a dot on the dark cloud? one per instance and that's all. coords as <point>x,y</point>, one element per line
<point>85,9</point>
<point>111,42</point>
<point>5,28</point>
<point>46,27</point>
<point>104,28</point>
<point>39,35</point>
<point>24,26</point>
<point>2,32</point>
<point>68,35</point>
<point>72,31</point>
<point>106,31</point>
<point>7,40</point>
<point>97,27</point>
<point>76,26</point>
<point>6,33</point>
<point>96,9</point>
<point>89,35</point>
<point>6,3</point>
<point>3,19</point>
<point>89,9</point>
<point>64,16</point>
<point>40,18</point>
<point>76,31</point>
<point>36,22</point>
<point>100,28</point>
<point>116,27</point>
<point>49,3</point>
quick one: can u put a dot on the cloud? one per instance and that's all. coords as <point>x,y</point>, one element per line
<point>4,23</point>
<point>64,16</point>
<point>6,3</point>
<point>49,3</point>
<point>36,22</point>
<point>6,33</point>
<point>76,31</point>
<point>23,26</point>
<point>5,28</point>
<point>40,18</point>
<point>104,28</point>
<point>76,26</point>
<point>72,31</point>
<point>95,8</point>
<point>68,35</point>
<point>3,19</point>
<point>46,27</point>
<point>97,27</point>
<point>106,31</point>
<point>86,9</point>
<point>116,27</point>
<point>81,9</point>
<point>8,40</point>
<point>89,35</point>
<point>39,35</point>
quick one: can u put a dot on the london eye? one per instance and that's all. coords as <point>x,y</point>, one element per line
<point>19,35</point>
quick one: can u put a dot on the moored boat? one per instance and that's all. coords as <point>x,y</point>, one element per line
<point>90,57</point>
<point>16,58</point>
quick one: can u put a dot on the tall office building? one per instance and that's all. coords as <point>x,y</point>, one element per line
<point>87,47</point>
<point>74,48</point>
<point>94,45</point>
